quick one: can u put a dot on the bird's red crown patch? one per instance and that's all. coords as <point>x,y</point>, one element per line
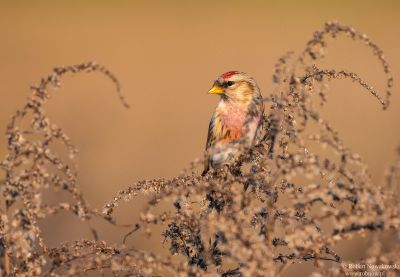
<point>229,74</point>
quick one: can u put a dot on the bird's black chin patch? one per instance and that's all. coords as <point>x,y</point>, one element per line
<point>224,97</point>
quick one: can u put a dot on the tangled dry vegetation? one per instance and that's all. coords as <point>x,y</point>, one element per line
<point>282,204</point>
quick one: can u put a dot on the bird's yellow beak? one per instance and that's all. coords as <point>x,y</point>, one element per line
<point>216,89</point>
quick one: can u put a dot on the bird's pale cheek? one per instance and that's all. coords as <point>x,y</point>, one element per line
<point>216,90</point>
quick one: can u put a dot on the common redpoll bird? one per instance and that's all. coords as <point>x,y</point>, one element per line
<point>235,123</point>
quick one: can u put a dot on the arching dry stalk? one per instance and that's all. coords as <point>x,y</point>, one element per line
<point>286,204</point>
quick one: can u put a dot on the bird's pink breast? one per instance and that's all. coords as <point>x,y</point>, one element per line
<point>233,118</point>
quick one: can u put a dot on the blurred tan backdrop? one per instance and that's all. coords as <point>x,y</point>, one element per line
<point>166,54</point>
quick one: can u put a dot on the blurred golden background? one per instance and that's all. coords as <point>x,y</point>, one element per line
<point>166,55</point>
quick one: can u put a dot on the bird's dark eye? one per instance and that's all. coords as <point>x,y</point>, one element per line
<point>229,83</point>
